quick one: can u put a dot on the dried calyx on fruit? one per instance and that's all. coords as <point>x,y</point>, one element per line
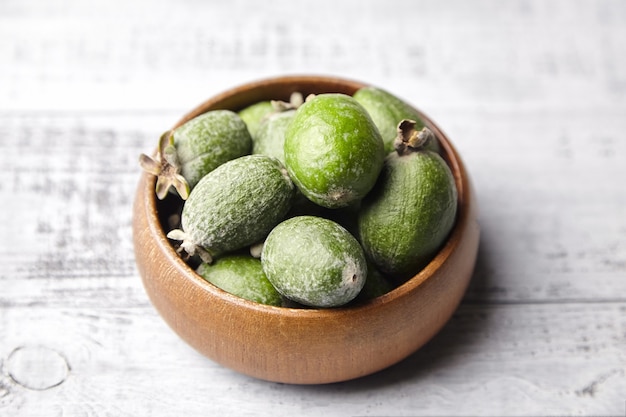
<point>295,101</point>
<point>166,167</point>
<point>410,139</point>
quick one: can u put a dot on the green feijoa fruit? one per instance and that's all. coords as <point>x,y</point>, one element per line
<point>189,152</point>
<point>404,221</point>
<point>243,276</point>
<point>270,136</point>
<point>207,141</point>
<point>234,206</point>
<point>314,261</point>
<point>255,114</point>
<point>387,111</point>
<point>333,150</point>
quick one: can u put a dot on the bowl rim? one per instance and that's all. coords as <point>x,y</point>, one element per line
<point>451,157</point>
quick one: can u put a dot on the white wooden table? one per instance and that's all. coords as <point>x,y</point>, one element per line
<point>532,93</point>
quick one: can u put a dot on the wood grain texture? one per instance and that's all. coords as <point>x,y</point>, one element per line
<point>532,93</point>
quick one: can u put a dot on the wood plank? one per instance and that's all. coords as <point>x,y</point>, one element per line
<point>64,56</point>
<point>552,210</point>
<point>537,359</point>
<point>533,93</point>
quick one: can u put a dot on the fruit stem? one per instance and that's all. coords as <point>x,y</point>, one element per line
<point>189,246</point>
<point>166,168</point>
<point>410,139</point>
<point>256,250</point>
<point>295,101</point>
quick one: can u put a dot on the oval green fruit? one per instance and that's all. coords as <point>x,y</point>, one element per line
<point>270,136</point>
<point>207,141</point>
<point>408,216</point>
<point>234,206</point>
<point>314,261</point>
<point>255,114</point>
<point>387,111</point>
<point>243,276</point>
<point>333,150</point>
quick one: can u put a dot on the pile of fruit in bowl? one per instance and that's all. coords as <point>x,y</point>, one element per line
<point>308,201</point>
<point>305,229</point>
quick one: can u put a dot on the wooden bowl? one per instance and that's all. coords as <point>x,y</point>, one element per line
<point>303,346</point>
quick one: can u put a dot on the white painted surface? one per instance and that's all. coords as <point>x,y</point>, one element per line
<point>533,94</point>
